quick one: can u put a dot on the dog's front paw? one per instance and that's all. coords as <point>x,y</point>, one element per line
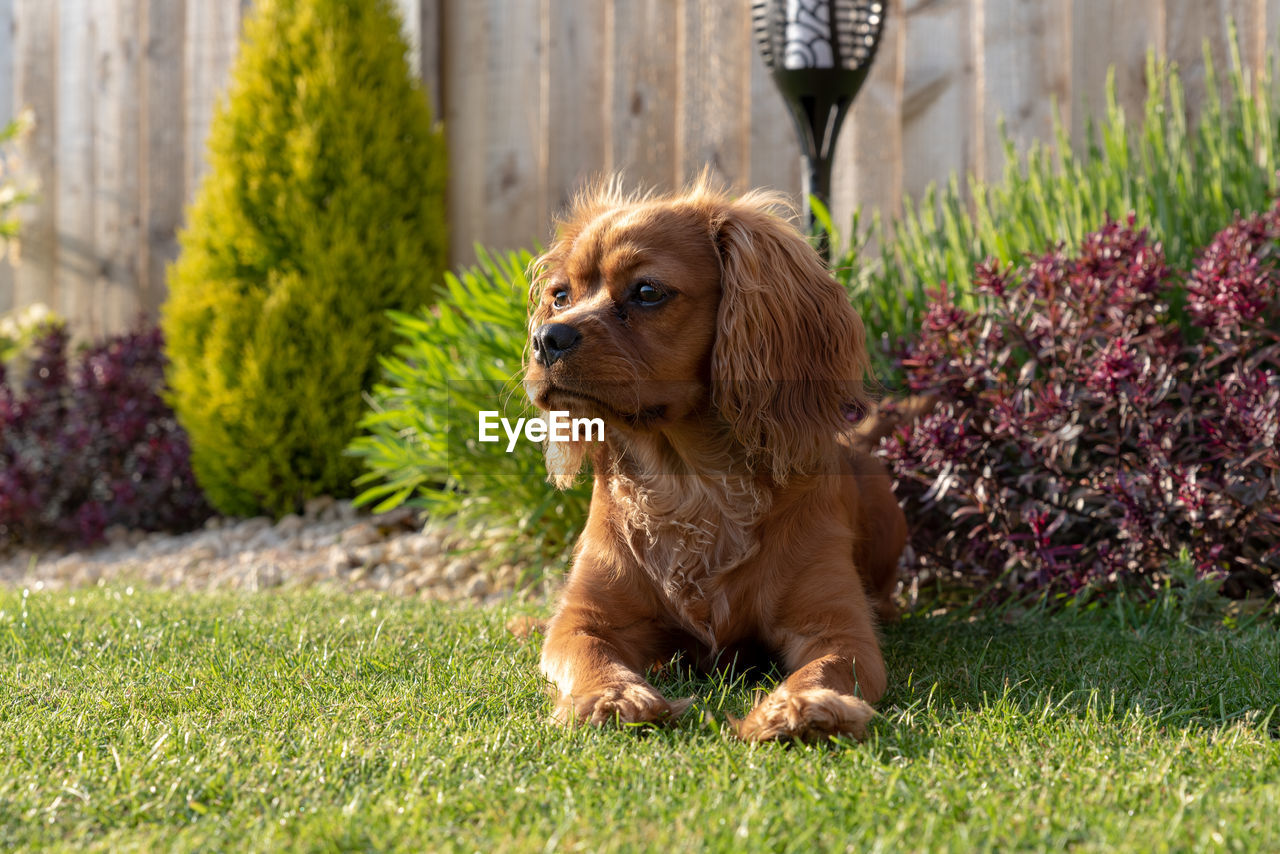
<point>627,703</point>
<point>807,715</point>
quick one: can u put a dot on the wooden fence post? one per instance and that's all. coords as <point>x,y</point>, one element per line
<point>35,87</point>
<point>7,113</point>
<point>162,160</point>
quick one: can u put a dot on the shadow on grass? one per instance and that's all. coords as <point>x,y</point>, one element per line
<point>1179,671</point>
<point>1175,672</point>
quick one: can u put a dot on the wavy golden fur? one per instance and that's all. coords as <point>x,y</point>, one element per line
<point>732,513</point>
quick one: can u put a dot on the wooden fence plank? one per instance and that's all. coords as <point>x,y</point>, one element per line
<point>537,94</point>
<point>115,180</point>
<point>494,115</point>
<point>7,110</point>
<point>1188,25</point>
<point>35,78</point>
<point>714,131</point>
<point>212,40</point>
<point>7,113</point>
<point>1105,34</point>
<point>515,209</point>
<point>1271,23</point>
<point>430,70</point>
<point>1218,17</point>
<point>937,93</point>
<point>74,213</point>
<point>577,97</point>
<point>645,77</point>
<point>1250,18</point>
<point>1026,69</point>
<point>162,164</point>
<point>868,165</point>
<point>775,154</point>
<point>466,48</point>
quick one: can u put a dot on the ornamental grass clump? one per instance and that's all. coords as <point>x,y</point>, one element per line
<point>1079,437</point>
<point>322,210</point>
<point>87,442</point>
<point>1182,179</point>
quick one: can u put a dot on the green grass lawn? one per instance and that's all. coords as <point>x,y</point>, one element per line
<point>158,721</point>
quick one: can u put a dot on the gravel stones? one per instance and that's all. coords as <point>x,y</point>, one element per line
<point>331,543</point>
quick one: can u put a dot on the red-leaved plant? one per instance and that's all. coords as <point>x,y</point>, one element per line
<point>1081,436</point>
<point>89,442</point>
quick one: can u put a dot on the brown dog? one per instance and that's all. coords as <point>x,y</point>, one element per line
<point>731,509</point>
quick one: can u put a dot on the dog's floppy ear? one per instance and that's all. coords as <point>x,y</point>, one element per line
<point>790,353</point>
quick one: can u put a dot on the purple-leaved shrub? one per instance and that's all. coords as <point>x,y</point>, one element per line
<point>1080,437</point>
<point>87,442</point>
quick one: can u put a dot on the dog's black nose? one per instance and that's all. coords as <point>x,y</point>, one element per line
<point>552,341</point>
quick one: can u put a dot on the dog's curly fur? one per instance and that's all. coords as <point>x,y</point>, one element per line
<point>733,508</point>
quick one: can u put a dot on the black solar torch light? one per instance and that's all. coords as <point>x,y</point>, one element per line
<point>819,53</point>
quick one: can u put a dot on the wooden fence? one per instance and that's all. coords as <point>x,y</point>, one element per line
<point>539,95</point>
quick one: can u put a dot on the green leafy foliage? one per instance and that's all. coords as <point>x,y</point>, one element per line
<point>14,189</point>
<point>456,360</point>
<point>1181,181</point>
<point>322,210</point>
<point>19,329</point>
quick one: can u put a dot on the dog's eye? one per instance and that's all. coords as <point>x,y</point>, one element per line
<point>560,297</point>
<point>649,294</point>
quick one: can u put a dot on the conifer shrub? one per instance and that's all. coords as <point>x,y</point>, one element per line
<point>322,210</point>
